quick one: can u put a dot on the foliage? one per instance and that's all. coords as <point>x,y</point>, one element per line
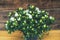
<point>31,21</point>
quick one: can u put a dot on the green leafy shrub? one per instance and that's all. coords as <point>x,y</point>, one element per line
<point>31,21</point>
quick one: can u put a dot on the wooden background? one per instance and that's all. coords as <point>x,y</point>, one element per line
<point>52,6</point>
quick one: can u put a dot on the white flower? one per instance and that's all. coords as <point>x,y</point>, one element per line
<point>50,17</point>
<point>46,16</point>
<point>18,19</point>
<point>30,11</point>
<point>9,14</point>
<point>30,16</point>
<point>16,14</point>
<point>47,13</point>
<point>39,11</point>
<point>24,12</point>
<point>43,11</point>
<point>44,25</point>
<point>37,8</point>
<point>20,8</point>
<point>24,21</point>
<point>36,15</point>
<point>36,21</point>
<point>12,19</point>
<point>12,26</point>
<point>41,21</point>
<point>32,6</point>
<point>27,11</point>
<point>6,26</point>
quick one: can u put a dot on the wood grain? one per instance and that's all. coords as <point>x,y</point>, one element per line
<point>18,35</point>
<point>43,4</point>
<point>52,6</point>
<point>53,35</point>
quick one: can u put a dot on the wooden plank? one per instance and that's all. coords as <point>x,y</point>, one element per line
<point>53,35</point>
<point>2,26</point>
<point>18,35</point>
<point>13,4</point>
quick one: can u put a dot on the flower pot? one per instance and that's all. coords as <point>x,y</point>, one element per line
<point>31,38</point>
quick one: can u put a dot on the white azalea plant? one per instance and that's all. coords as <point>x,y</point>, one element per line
<point>31,21</point>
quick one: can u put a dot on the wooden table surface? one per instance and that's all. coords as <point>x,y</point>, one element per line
<point>53,35</point>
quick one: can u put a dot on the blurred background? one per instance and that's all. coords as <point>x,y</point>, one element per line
<point>52,6</point>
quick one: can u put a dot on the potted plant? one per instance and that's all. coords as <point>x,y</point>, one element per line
<point>31,21</point>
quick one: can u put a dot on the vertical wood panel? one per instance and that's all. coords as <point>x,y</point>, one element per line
<point>52,6</point>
